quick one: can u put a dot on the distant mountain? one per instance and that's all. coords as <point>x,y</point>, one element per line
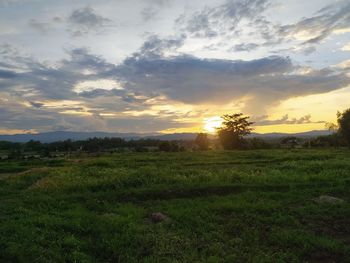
<point>65,135</point>
<point>308,134</point>
<point>174,136</point>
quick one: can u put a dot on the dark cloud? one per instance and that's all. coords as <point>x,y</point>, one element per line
<point>86,20</point>
<point>223,20</point>
<point>80,22</point>
<point>81,59</point>
<point>193,80</point>
<point>148,74</point>
<point>7,74</point>
<point>155,46</point>
<point>101,93</point>
<point>53,82</point>
<point>183,78</point>
<point>36,104</point>
<point>128,97</point>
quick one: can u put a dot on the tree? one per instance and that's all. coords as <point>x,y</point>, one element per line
<point>34,146</point>
<point>202,141</point>
<point>332,127</point>
<point>167,146</point>
<point>164,146</point>
<point>174,146</point>
<point>290,141</point>
<point>344,124</point>
<point>233,128</point>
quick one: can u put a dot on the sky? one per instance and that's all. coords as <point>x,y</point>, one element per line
<point>164,66</point>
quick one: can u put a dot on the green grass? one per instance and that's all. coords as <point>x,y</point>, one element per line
<point>250,206</point>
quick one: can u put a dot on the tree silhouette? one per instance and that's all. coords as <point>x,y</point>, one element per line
<point>202,141</point>
<point>344,124</point>
<point>233,128</point>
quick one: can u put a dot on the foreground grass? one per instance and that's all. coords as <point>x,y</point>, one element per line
<point>253,206</point>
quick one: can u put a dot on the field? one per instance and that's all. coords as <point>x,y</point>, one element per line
<point>240,206</point>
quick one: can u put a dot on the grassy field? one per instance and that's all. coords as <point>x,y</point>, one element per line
<point>248,206</point>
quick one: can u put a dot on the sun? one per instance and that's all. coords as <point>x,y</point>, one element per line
<point>212,123</point>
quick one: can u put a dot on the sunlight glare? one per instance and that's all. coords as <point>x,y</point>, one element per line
<point>212,123</point>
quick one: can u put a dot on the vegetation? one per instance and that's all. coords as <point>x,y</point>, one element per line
<point>344,124</point>
<point>92,145</point>
<point>234,128</point>
<point>247,206</point>
<point>334,140</point>
<point>202,141</point>
<point>170,146</point>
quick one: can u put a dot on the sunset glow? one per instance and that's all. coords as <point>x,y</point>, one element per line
<point>212,123</point>
<point>172,66</point>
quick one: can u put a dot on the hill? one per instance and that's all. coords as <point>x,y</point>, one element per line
<point>47,137</point>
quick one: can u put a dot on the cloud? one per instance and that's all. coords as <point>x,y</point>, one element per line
<point>36,104</point>
<point>234,23</point>
<point>264,121</point>
<point>330,19</point>
<point>7,74</point>
<point>148,13</point>
<point>224,19</point>
<point>155,46</point>
<point>344,65</point>
<point>245,47</point>
<point>151,77</point>
<point>182,78</point>
<point>52,82</point>
<point>153,8</point>
<point>10,2</point>
<point>160,3</point>
<point>346,47</point>
<point>86,20</point>
<point>193,80</point>
<point>41,27</point>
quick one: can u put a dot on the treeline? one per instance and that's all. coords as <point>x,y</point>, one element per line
<point>333,140</point>
<point>232,135</point>
<point>12,150</point>
<point>91,145</point>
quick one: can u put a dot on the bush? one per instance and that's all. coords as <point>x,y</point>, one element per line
<point>333,140</point>
<point>257,143</point>
<point>167,146</point>
<point>202,141</point>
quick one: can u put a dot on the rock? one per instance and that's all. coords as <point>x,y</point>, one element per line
<point>157,217</point>
<point>327,199</point>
